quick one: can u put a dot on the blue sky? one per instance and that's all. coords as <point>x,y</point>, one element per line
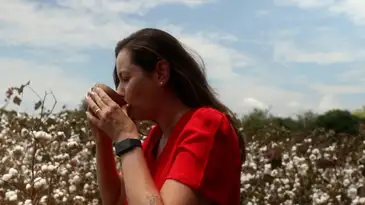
<point>290,55</point>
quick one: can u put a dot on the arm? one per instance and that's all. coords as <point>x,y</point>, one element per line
<point>111,184</point>
<point>196,173</point>
<point>141,190</point>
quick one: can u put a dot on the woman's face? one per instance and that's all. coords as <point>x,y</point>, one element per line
<point>141,91</point>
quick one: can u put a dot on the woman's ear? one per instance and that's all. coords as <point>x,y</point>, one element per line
<point>162,71</point>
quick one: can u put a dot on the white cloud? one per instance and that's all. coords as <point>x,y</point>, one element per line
<point>79,25</point>
<point>339,89</point>
<point>328,102</point>
<point>252,102</point>
<point>23,23</point>
<point>86,23</point>
<point>128,6</point>
<point>246,92</point>
<point>287,51</point>
<point>354,75</point>
<point>69,30</point>
<point>219,60</point>
<point>306,3</point>
<point>353,9</point>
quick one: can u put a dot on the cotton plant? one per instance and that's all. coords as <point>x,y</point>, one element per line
<point>50,159</point>
<point>307,173</point>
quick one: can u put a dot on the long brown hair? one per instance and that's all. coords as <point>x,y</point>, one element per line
<point>187,76</point>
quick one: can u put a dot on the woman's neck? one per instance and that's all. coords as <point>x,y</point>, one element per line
<point>170,116</point>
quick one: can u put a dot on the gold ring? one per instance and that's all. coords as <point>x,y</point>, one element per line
<point>97,110</point>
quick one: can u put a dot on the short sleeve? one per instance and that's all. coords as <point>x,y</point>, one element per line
<point>205,157</point>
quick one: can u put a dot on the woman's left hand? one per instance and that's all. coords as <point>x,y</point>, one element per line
<point>109,116</point>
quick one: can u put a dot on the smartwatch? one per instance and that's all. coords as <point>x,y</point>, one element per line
<point>126,145</point>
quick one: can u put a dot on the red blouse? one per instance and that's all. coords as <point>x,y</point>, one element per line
<point>202,152</point>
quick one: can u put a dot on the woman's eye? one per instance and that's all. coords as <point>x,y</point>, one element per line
<point>125,79</point>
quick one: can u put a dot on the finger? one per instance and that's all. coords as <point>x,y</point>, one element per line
<point>96,98</point>
<point>105,97</point>
<point>88,109</point>
<point>93,120</point>
<point>93,107</point>
<point>125,109</point>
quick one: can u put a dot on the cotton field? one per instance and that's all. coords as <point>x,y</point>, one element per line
<point>51,161</point>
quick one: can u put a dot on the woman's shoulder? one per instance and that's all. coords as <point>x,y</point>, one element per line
<point>209,112</point>
<point>208,116</point>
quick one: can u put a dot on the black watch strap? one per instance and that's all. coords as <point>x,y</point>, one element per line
<point>126,145</point>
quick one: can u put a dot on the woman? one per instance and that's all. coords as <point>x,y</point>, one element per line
<point>191,156</point>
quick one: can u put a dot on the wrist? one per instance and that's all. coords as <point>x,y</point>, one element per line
<point>103,140</point>
<point>127,135</point>
<point>126,145</point>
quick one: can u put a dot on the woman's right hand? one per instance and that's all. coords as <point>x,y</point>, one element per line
<point>97,134</point>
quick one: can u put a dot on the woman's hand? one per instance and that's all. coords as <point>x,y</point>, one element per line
<point>109,117</point>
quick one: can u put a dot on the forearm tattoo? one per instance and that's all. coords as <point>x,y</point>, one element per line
<point>152,200</point>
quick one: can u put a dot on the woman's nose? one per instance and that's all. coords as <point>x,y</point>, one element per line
<point>120,91</point>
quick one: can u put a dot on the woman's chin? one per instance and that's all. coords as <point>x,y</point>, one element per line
<point>136,115</point>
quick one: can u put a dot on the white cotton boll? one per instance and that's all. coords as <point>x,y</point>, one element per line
<point>24,132</point>
<point>13,171</point>
<point>4,159</point>
<point>44,168</point>
<point>289,166</point>
<point>267,168</point>
<point>274,173</point>
<point>346,182</point>
<point>42,135</point>
<point>352,193</point>
<point>28,186</point>
<point>27,202</point>
<point>43,200</point>
<point>63,172</point>
<point>59,133</point>
<point>72,144</point>
<point>312,157</point>
<point>285,181</point>
<point>76,179</point>
<point>72,188</point>
<point>11,196</point>
<point>39,182</point>
<point>6,177</point>
<point>51,167</point>
<point>303,169</point>
<point>246,177</point>
<point>263,149</point>
<point>79,198</point>
<point>86,186</point>
<point>89,175</point>
<point>321,198</point>
<point>56,196</point>
<point>39,158</point>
